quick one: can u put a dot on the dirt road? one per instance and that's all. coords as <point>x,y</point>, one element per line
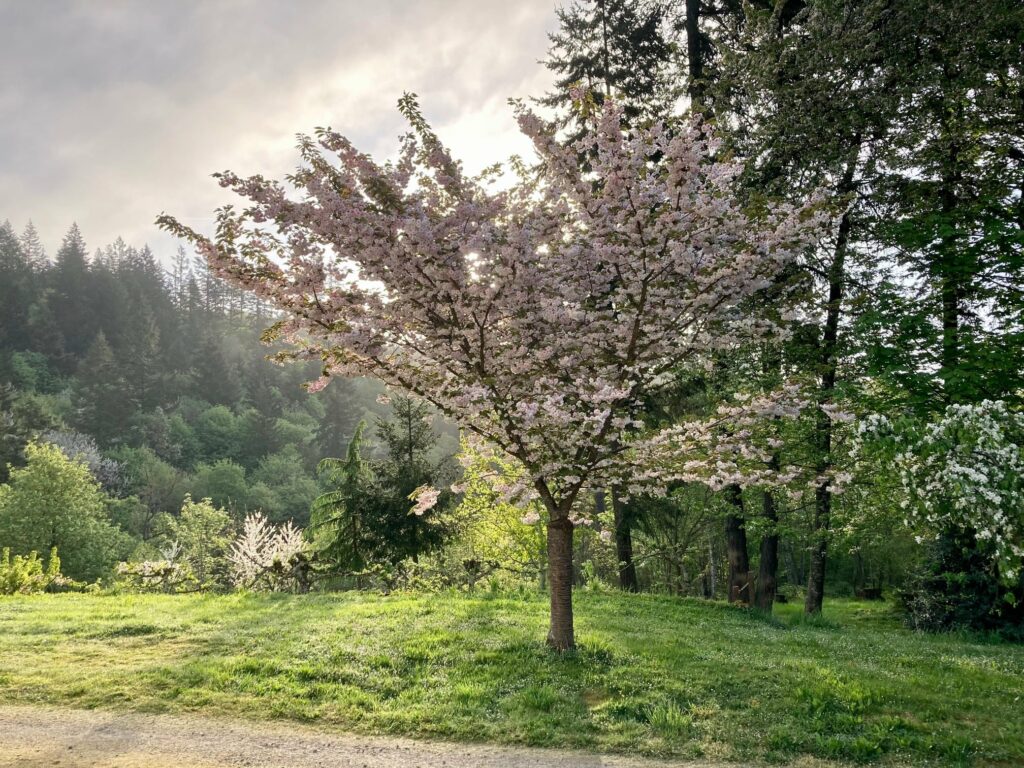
<point>33,737</point>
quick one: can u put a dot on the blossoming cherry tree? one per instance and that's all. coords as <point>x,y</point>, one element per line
<point>539,315</point>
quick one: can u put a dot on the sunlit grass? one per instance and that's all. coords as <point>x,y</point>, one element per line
<point>652,675</point>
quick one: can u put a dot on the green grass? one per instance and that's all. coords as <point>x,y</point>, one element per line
<point>652,675</point>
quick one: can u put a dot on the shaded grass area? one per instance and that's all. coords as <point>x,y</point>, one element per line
<point>653,675</point>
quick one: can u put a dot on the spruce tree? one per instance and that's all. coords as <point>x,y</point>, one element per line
<point>102,398</point>
<point>620,49</point>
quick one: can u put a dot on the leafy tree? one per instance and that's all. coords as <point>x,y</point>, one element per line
<point>492,527</point>
<point>219,434</point>
<point>291,486</point>
<point>54,502</point>
<point>538,317</point>
<point>203,533</point>
<point>224,483</point>
<point>14,432</point>
<point>159,486</point>
<point>82,448</point>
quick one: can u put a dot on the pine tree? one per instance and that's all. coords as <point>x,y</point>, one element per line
<point>341,534</point>
<point>102,398</point>
<point>620,49</point>
<point>15,289</point>
<point>73,310</point>
<point>216,381</point>
<point>33,249</point>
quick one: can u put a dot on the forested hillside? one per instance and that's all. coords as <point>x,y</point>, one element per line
<point>156,378</point>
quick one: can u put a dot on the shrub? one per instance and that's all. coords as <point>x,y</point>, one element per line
<point>168,575</point>
<point>25,575</point>
<point>269,558</point>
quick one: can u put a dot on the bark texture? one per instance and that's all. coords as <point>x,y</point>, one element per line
<point>768,568</point>
<point>736,548</point>
<point>829,357</point>
<point>560,534</point>
<point>624,544</point>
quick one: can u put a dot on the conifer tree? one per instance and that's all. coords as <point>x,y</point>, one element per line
<point>102,399</point>
<point>74,312</point>
<point>619,49</point>
<point>32,247</point>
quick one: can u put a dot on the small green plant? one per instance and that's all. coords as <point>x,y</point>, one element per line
<point>25,575</point>
<point>669,719</point>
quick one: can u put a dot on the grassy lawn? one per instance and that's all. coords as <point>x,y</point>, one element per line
<point>653,675</point>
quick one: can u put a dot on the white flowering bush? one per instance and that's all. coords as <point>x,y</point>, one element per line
<point>168,574</point>
<point>963,472</point>
<point>268,557</point>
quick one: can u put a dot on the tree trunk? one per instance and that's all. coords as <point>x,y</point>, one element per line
<point>560,533</point>
<point>819,550</point>
<point>829,357</point>
<point>624,545</point>
<point>694,60</point>
<point>736,546</point>
<point>768,569</point>
<point>711,574</point>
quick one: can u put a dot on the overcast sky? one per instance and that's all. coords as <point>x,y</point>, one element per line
<point>112,111</point>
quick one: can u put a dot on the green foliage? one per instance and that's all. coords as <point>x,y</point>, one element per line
<point>623,49</point>
<point>55,502</point>
<point>957,588</point>
<point>202,534</point>
<point>224,483</point>
<point>25,574</point>
<point>492,529</point>
<point>338,524</point>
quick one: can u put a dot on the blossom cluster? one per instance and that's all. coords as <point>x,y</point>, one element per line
<point>263,551</point>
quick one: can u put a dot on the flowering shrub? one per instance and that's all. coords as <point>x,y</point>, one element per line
<point>269,557</point>
<point>963,472</point>
<point>170,574</point>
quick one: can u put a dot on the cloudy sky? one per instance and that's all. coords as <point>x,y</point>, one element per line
<point>112,111</point>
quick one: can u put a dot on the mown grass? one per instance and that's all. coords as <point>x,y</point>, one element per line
<point>652,675</point>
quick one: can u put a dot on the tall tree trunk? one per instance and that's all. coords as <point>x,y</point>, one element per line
<point>768,568</point>
<point>695,63</point>
<point>829,360</point>
<point>736,547</point>
<point>711,574</point>
<point>624,545</point>
<point>951,281</point>
<point>560,534</point>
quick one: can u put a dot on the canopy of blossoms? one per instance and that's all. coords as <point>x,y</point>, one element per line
<point>538,315</point>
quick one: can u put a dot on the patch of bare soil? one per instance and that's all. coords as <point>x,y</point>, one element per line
<point>34,737</point>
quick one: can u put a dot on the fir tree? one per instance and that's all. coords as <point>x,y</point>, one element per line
<point>32,247</point>
<point>620,49</point>
<point>102,400</point>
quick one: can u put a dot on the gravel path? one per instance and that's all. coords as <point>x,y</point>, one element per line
<point>33,737</point>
